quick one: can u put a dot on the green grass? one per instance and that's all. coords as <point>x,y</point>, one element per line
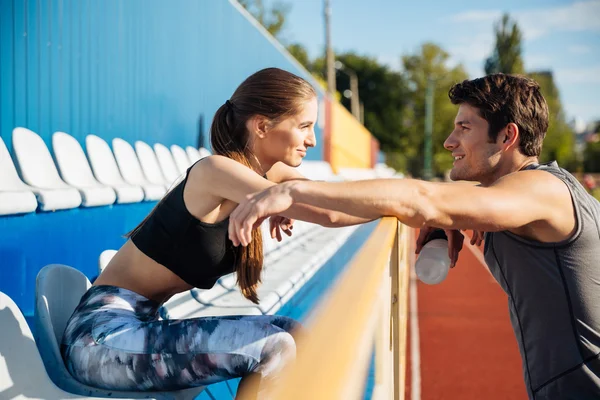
<point>596,193</point>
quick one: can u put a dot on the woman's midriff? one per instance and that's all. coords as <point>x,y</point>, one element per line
<point>132,270</point>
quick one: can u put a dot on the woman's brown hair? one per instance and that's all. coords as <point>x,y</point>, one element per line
<point>274,94</point>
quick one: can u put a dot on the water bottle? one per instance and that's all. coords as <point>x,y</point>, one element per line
<point>433,263</point>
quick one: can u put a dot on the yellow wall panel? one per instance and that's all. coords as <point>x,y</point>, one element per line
<point>350,140</point>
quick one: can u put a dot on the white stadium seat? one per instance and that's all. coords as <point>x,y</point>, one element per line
<point>193,154</point>
<point>58,291</point>
<point>22,372</point>
<point>204,152</point>
<point>38,170</point>
<point>317,171</point>
<point>105,258</point>
<point>15,196</point>
<point>181,159</point>
<point>75,170</point>
<point>107,172</point>
<point>149,164</point>
<point>167,164</point>
<point>131,170</point>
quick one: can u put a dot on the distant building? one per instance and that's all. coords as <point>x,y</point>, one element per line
<point>585,133</point>
<point>578,125</point>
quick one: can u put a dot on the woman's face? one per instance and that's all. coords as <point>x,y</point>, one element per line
<point>288,140</point>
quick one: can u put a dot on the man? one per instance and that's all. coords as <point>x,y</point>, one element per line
<point>543,228</point>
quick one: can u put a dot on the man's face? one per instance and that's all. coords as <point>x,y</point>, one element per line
<point>475,156</point>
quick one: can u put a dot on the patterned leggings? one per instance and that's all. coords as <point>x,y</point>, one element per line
<point>115,340</point>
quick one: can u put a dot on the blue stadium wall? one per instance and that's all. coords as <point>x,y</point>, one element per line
<point>150,70</point>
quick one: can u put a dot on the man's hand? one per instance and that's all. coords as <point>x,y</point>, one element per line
<point>280,223</point>
<point>455,242</point>
<point>478,237</point>
<point>252,211</point>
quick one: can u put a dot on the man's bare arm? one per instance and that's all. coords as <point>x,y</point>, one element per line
<point>512,202</point>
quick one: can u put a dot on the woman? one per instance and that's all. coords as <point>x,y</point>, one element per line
<point>115,340</point>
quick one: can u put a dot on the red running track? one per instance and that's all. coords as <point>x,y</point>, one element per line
<point>467,346</point>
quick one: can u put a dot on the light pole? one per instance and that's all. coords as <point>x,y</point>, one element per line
<point>354,99</point>
<point>428,170</point>
<point>362,113</point>
<point>330,58</point>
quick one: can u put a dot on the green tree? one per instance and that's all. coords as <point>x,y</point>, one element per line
<point>559,143</point>
<point>506,56</point>
<point>384,95</point>
<point>299,53</point>
<point>272,19</point>
<point>591,156</point>
<point>430,63</point>
<point>591,153</point>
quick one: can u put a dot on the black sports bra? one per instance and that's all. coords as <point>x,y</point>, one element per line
<point>198,252</point>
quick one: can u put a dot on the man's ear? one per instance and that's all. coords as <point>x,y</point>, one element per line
<point>509,136</point>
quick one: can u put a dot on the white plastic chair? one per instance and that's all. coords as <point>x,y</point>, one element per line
<point>166,162</point>
<point>58,291</point>
<point>15,196</point>
<point>105,258</point>
<point>269,244</point>
<point>181,306</point>
<point>106,171</point>
<point>150,165</point>
<point>357,174</point>
<point>318,171</point>
<point>131,170</point>
<point>204,152</point>
<point>383,171</point>
<point>76,171</point>
<point>38,170</point>
<point>182,160</point>
<point>22,372</point>
<point>193,154</point>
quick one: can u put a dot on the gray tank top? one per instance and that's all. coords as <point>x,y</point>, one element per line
<point>554,299</point>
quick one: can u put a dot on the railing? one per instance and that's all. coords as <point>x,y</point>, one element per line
<point>367,308</point>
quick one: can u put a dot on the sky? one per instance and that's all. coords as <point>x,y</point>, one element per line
<point>558,35</point>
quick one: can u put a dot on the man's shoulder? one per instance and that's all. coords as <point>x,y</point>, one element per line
<point>532,179</point>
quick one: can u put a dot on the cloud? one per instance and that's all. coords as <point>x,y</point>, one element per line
<point>584,111</point>
<point>471,39</point>
<point>471,52</point>
<point>539,22</point>
<point>586,75</point>
<point>579,49</point>
<point>538,61</point>
<point>476,16</point>
<point>472,49</point>
<point>576,17</point>
<point>474,39</point>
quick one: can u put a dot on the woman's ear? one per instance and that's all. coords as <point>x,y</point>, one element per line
<point>258,125</point>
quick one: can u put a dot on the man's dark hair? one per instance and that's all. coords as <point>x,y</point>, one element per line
<point>501,99</point>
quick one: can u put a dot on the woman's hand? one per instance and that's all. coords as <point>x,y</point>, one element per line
<point>278,223</point>
<point>252,211</point>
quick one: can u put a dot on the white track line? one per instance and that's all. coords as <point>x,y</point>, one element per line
<point>415,352</point>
